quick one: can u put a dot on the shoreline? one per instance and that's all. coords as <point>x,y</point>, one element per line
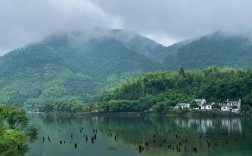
<point>188,114</point>
<point>92,113</point>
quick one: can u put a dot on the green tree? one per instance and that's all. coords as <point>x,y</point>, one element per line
<point>194,105</point>
<point>32,132</point>
<point>216,105</point>
<point>160,108</point>
<point>2,128</point>
<point>245,108</point>
<point>17,118</point>
<point>182,72</point>
<point>13,127</point>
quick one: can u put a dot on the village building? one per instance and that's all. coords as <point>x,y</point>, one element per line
<point>182,105</point>
<point>199,102</point>
<point>206,106</point>
<point>231,106</point>
<point>203,105</point>
<point>228,106</point>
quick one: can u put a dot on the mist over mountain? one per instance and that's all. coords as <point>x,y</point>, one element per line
<point>211,50</point>
<point>75,67</point>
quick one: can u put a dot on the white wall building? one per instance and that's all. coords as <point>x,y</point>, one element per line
<point>206,106</point>
<point>199,102</point>
<point>231,106</point>
<point>182,105</point>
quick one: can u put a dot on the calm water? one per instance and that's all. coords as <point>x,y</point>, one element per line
<point>174,136</point>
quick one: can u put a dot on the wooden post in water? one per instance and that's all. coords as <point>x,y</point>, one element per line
<point>195,149</point>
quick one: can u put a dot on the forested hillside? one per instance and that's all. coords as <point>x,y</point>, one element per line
<point>159,90</point>
<point>70,68</point>
<point>211,50</point>
<point>77,67</point>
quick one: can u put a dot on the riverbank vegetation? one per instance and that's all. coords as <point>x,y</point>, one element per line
<point>160,91</point>
<point>14,127</point>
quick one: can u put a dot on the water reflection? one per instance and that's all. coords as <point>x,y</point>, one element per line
<point>126,134</point>
<point>203,125</point>
<point>232,125</point>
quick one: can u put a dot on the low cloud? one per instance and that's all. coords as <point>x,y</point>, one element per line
<point>24,21</point>
<point>166,21</point>
<point>182,19</point>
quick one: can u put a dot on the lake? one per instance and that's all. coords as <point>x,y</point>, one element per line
<point>118,134</point>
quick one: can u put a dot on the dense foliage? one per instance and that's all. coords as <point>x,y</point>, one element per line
<point>14,129</point>
<point>68,107</point>
<point>160,90</point>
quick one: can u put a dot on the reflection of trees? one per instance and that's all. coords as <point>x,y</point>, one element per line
<point>132,131</point>
<point>138,130</point>
<point>135,131</point>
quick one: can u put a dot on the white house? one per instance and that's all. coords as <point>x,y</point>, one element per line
<point>199,102</point>
<point>231,106</point>
<point>203,104</point>
<point>182,105</point>
<point>206,106</point>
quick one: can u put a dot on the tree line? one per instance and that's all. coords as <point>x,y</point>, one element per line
<point>160,91</point>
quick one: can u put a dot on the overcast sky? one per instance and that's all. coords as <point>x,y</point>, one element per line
<point>165,21</point>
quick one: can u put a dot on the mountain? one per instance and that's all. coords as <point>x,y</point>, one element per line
<point>138,43</point>
<point>216,49</point>
<point>76,67</point>
<point>73,67</point>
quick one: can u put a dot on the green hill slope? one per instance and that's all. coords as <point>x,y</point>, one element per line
<point>68,67</point>
<point>215,49</point>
